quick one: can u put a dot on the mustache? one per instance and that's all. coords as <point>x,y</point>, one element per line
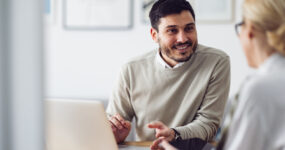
<point>189,43</point>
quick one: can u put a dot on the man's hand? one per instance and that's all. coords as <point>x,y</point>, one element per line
<point>162,132</point>
<point>120,127</point>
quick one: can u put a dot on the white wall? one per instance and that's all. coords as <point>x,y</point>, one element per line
<point>85,64</point>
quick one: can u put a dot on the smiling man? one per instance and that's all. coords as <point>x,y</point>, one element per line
<point>177,38</point>
<point>176,92</point>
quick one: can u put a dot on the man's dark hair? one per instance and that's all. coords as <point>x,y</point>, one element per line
<point>162,8</point>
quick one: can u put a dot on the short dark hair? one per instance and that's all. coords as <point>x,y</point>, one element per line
<point>162,8</point>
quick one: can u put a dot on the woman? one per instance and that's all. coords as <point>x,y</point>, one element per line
<point>259,121</point>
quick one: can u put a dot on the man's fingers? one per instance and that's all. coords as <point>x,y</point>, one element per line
<point>114,128</point>
<point>155,143</point>
<point>127,125</point>
<point>161,129</point>
<point>119,117</point>
<point>124,123</point>
<point>116,122</point>
<point>156,124</point>
<point>154,146</point>
<point>160,133</point>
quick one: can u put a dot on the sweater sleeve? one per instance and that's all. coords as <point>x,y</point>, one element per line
<point>120,101</point>
<point>209,115</point>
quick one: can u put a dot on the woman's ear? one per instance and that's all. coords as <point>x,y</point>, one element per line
<point>154,35</point>
<point>250,30</point>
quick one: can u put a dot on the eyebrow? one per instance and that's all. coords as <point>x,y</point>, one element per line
<point>172,26</point>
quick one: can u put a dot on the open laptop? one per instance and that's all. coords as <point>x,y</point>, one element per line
<point>77,125</point>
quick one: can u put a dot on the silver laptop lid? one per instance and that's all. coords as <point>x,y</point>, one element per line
<point>77,125</point>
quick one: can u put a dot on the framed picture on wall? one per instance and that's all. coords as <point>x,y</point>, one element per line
<point>97,14</point>
<point>146,7</point>
<point>207,11</point>
<point>214,11</point>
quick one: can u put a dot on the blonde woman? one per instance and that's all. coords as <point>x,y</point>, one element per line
<point>259,119</point>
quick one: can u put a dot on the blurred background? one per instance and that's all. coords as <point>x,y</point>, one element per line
<point>75,48</point>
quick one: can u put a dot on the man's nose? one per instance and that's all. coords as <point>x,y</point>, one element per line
<point>182,37</point>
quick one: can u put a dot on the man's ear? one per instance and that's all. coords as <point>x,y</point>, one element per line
<point>154,35</point>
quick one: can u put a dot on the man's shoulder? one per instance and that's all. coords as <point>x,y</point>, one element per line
<point>141,59</point>
<point>210,51</point>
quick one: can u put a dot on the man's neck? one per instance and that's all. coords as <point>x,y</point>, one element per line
<point>168,60</point>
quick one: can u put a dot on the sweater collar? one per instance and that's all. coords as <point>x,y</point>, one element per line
<point>161,61</point>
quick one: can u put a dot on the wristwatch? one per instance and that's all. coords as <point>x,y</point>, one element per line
<point>177,136</point>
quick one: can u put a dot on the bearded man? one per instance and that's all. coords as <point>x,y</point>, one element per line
<point>175,92</point>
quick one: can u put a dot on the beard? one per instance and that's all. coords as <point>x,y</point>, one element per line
<point>181,56</point>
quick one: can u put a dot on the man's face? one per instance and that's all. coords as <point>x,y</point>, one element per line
<point>176,36</point>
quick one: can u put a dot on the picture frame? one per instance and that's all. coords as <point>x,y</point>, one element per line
<point>214,11</point>
<point>97,14</point>
<point>206,11</point>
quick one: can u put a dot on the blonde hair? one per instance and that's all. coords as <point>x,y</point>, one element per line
<point>269,17</point>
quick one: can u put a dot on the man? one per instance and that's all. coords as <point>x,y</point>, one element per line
<point>179,90</point>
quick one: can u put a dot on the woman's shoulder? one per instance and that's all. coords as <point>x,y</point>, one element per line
<point>261,89</point>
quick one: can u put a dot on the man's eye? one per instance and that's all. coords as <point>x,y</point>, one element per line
<point>188,29</point>
<point>172,30</point>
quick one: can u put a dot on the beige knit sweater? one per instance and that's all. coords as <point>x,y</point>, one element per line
<point>190,98</point>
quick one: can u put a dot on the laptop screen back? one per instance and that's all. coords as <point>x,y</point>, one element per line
<point>77,125</point>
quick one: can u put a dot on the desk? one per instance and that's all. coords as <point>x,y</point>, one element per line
<point>135,145</point>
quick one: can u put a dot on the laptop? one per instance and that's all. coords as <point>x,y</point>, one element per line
<point>77,125</point>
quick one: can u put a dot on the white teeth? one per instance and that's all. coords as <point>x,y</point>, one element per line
<point>181,47</point>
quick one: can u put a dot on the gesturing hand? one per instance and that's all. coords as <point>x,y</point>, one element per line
<point>120,127</point>
<point>162,132</point>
